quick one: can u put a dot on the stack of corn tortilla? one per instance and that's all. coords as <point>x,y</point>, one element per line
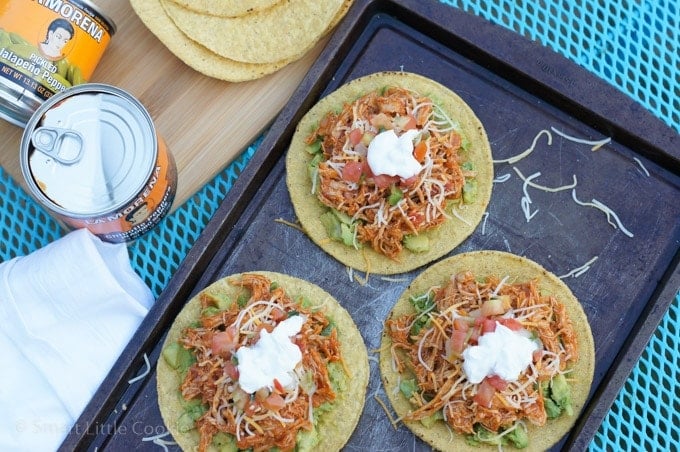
<point>235,40</point>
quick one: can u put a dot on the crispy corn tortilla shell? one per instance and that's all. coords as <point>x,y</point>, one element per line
<point>443,239</point>
<point>226,8</point>
<point>199,58</point>
<point>519,269</point>
<point>335,427</point>
<point>285,31</point>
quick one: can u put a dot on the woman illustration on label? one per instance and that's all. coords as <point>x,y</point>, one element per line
<point>59,33</point>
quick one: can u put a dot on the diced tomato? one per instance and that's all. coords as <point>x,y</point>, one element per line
<point>487,324</point>
<point>384,181</point>
<point>456,343</point>
<point>278,315</point>
<point>510,323</point>
<point>460,325</point>
<point>231,370</point>
<point>416,218</point>
<point>352,171</point>
<point>274,402</point>
<point>485,393</point>
<point>224,342</point>
<point>355,136</point>
<point>455,140</point>
<point>497,382</point>
<point>366,169</point>
<point>278,387</point>
<point>420,151</point>
<point>474,335</point>
<point>410,123</point>
<point>410,182</point>
<point>537,355</point>
<point>251,407</point>
<point>407,122</point>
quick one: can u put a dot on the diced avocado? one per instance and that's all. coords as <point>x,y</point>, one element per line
<point>224,442</point>
<point>417,243</point>
<point>557,397</point>
<point>178,357</point>
<point>408,387</point>
<point>242,299</point>
<point>328,329</point>
<point>468,166</point>
<point>465,143</point>
<point>306,440</point>
<point>552,410</point>
<point>483,436</point>
<point>429,421</point>
<point>192,411</point>
<point>219,300</point>
<point>395,196</point>
<point>338,377</point>
<point>518,437</point>
<point>346,234</point>
<point>331,223</point>
<point>560,393</point>
<point>342,216</point>
<point>315,147</point>
<point>470,191</point>
<point>339,226</point>
<point>210,311</point>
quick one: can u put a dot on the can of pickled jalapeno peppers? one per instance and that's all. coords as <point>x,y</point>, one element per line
<point>47,46</point>
<point>91,155</point>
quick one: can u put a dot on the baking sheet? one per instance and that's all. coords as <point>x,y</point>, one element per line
<point>517,88</point>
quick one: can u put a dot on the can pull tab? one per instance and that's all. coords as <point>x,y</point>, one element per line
<point>63,145</point>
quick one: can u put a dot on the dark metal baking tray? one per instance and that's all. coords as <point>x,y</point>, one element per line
<point>517,88</point>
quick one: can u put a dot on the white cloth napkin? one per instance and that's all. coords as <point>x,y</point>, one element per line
<point>67,311</point>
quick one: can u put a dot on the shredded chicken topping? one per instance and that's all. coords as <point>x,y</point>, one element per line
<point>347,184</point>
<point>267,418</point>
<point>433,354</point>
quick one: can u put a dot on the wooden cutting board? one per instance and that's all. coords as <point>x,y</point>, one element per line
<point>205,122</point>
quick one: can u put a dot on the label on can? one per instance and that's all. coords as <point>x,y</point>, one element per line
<point>47,46</point>
<point>92,156</point>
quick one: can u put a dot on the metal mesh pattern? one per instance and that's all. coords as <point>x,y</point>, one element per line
<point>24,225</point>
<point>630,43</point>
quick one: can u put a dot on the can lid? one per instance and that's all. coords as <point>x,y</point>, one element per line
<point>92,152</point>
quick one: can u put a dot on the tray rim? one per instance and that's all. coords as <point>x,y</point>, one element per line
<point>194,272</point>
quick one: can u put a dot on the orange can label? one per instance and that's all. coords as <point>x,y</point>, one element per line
<point>47,46</point>
<point>144,211</point>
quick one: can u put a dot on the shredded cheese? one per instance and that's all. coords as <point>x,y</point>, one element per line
<point>291,224</point>
<point>639,162</point>
<point>525,202</point>
<point>486,215</point>
<point>597,144</point>
<point>579,270</point>
<point>528,181</point>
<point>395,424</point>
<point>504,178</point>
<point>609,212</point>
<point>147,369</point>
<point>520,156</point>
<point>159,441</point>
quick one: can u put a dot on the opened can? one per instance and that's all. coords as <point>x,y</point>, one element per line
<point>47,46</point>
<point>91,156</point>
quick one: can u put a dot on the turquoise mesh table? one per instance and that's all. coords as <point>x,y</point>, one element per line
<point>631,44</point>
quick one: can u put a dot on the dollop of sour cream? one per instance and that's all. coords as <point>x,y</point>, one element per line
<point>274,355</point>
<point>503,352</point>
<point>392,155</point>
